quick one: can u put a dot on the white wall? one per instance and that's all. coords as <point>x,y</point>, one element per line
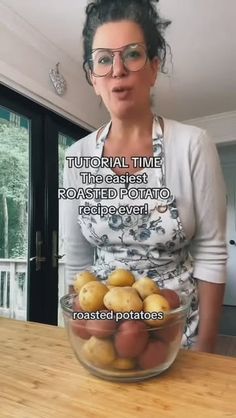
<point>26,58</point>
<point>222,127</point>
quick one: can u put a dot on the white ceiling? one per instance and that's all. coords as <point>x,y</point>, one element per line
<point>202,80</point>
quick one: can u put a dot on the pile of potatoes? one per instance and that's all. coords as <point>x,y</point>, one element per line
<point>132,344</point>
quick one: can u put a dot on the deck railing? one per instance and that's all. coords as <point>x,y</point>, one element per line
<point>13,288</point>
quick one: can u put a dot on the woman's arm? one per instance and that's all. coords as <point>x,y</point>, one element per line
<point>210,307</point>
<point>209,244</point>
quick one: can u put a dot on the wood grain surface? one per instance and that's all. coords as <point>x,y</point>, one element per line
<point>41,378</point>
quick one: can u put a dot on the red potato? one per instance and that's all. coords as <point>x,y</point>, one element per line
<point>101,328</point>
<point>78,327</point>
<point>155,354</point>
<point>131,339</point>
<point>172,297</point>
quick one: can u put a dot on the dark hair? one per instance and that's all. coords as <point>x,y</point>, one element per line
<point>142,12</point>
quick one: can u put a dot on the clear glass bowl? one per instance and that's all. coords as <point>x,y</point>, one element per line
<point>125,353</point>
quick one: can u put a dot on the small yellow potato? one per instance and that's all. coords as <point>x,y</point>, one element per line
<point>156,303</point>
<point>146,287</point>
<point>121,277</point>
<point>123,299</point>
<point>99,352</point>
<point>123,363</point>
<point>83,278</point>
<point>91,296</point>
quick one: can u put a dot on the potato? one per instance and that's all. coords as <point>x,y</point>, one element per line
<point>123,363</point>
<point>99,352</point>
<point>146,287</point>
<point>78,327</point>
<point>101,328</point>
<point>155,303</point>
<point>121,277</point>
<point>154,354</point>
<point>123,299</point>
<point>131,338</point>
<point>76,305</point>
<point>172,297</point>
<point>83,278</point>
<point>91,296</point>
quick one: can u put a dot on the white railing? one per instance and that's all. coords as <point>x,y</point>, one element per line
<point>13,288</point>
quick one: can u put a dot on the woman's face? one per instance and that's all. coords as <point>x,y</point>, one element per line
<point>136,86</point>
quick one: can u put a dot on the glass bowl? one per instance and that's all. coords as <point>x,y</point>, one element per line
<point>124,349</point>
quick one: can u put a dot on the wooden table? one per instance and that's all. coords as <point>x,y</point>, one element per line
<point>41,378</point>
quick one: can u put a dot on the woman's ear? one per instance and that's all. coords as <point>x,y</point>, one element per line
<point>155,65</point>
<point>94,83</point>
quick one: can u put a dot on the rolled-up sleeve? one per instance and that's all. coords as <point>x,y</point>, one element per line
<point>208,247</point>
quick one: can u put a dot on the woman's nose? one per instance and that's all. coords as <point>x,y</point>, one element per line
<point>118,68</point>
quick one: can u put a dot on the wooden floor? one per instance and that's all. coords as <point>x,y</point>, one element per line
<point>226,345</point>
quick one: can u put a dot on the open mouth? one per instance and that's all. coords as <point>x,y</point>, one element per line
<point>120,89</point>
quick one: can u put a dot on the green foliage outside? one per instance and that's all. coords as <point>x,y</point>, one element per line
<point>64,142</point>
<point>13,190</point>
<point>14,182</point>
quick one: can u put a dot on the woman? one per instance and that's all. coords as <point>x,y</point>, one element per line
<point>180,240</point>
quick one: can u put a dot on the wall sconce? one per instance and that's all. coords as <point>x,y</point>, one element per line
<point>57,80</point>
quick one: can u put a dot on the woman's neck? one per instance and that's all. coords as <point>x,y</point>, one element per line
<point>131,129</point>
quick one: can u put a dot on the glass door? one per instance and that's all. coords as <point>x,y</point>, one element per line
<point>22,207</point>
<point>33,141</point>
<point>64,141</point>
<point>15,132</point>
<point>60,135</point>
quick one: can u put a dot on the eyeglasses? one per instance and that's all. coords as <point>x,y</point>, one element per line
<point>134,58</point>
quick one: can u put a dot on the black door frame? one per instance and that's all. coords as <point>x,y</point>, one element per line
<point>42,291</point>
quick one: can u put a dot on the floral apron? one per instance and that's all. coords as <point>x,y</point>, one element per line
<point>152,245</point>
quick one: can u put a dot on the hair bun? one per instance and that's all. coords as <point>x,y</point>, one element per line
<point>105,2</point>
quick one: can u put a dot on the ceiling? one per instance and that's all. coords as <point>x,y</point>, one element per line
<point>201,80</point>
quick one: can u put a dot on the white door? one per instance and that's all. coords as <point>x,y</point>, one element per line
<point>228,160</point>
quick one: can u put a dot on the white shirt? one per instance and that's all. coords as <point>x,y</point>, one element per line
<point>194,175</point>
